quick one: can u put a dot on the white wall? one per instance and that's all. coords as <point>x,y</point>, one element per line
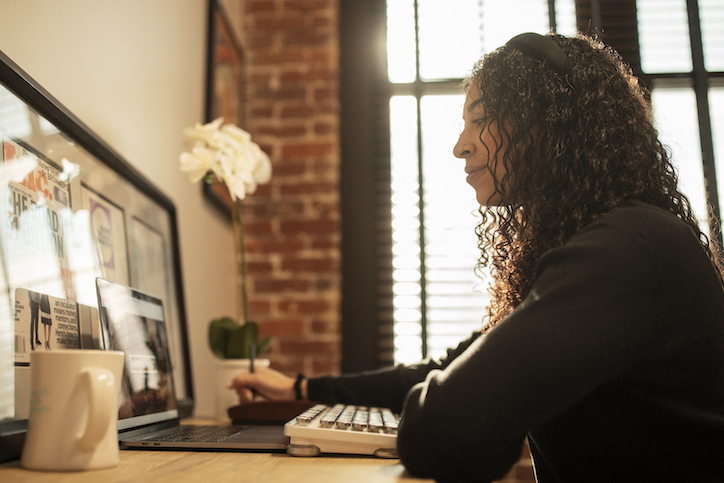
<point>134,72</point>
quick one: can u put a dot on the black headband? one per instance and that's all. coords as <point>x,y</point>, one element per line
<point>541,48</point>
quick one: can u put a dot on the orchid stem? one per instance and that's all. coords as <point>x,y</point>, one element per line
<point>243,267</point>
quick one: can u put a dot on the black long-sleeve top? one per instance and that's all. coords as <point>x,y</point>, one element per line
<point>612,367</point>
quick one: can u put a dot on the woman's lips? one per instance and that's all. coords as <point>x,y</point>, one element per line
<point>472,171</point>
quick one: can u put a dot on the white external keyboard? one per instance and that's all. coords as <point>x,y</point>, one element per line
<point>343,429</point>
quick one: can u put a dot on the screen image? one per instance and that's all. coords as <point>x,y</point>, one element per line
<point>133,322</point>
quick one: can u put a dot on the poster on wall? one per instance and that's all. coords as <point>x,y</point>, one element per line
<point>38,222</point>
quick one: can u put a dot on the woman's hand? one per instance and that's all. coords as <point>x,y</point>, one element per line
<point>268,383</point>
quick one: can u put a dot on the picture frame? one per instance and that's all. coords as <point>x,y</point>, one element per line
<point>70,211</point>
<point>225,93</point>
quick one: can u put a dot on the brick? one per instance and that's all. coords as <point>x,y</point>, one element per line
<point>268,149</point>
<point>258,227</point>
<point>276,58</point>
<point>258,308</point>
<point>260,40</point>
<point>325,95</point>
<point>278,286</point>
<point>284,23</point>
<point>308,75</point>
<point>289,366</point>
<point>264,92</point>
<point>260,6</point>
<point>297,112</point>
<point>259,267</point>
<point>325,244</point>
<point>327,207</point>
<point>307,5</point>
<point>280,327</point>
<point>323,21</point>
<point>330,367</point>
<point>282,246</point>
<point>276,209</point>
<point>282,131</point>
<point>304,307</point>
<point>310,265</point>
<point>321,56</point>
<point>322,129</point>
<point>308,149</point>
<point>310,226</point>
<point>304,38</point>
<point>320,327</point>
<point>298,345</point>
<point>325,285</point>
<point>308,188</point>
<point>262,112</point>
<point>260,78</point>
<point>286,168</point>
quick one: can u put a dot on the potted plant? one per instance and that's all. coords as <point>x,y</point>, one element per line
<point>223,153</point>
<point>234,345</point>
<point>230,340</point>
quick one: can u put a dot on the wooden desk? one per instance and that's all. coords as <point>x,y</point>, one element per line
<point>218,467</point>
<point>212,467</point>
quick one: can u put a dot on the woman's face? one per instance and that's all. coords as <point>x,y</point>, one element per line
<point>478,145</point>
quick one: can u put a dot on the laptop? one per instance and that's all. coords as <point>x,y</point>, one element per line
<point>133,322</point>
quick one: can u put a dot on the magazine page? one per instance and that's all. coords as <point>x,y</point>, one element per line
<point>38,222</point>
<point>44,323</point>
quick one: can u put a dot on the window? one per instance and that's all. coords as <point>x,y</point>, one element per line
<point>682,59</point>
<point>431,47</point>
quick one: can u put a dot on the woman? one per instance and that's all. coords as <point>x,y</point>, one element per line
<point>605,341</point>
<point>46,319</point>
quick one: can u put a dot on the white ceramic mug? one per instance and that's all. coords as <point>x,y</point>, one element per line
<point>73,410</point>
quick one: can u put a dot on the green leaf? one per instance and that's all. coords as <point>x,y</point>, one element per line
<point>229,340</point>
<point>263,345</point>
<point>220,331</point>
<point>241,340</point>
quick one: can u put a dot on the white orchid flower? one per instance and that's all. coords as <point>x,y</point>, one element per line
<point>237,187</point>
<point>229,153</point>
<point>237,133</point>
<point>196,164</point>
<point>262,167</point>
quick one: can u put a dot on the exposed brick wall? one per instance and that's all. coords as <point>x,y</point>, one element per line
<point>292,224</point>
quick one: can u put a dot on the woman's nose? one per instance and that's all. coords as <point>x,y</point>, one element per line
<point>463,149</point>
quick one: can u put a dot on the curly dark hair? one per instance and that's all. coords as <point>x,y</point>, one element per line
<point>577,145</point>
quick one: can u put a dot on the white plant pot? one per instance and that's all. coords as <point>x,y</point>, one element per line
<point>226,370</point>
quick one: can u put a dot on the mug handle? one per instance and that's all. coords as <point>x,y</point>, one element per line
<point>101,384</point>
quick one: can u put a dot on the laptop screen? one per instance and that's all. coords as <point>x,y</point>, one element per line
<point>133,322</point>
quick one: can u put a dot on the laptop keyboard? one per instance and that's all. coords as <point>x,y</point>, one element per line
<point>197,434</point>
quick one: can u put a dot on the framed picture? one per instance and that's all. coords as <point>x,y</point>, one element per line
<point>108,236</point>
<point>71,210</point>
<point>224,85</point>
